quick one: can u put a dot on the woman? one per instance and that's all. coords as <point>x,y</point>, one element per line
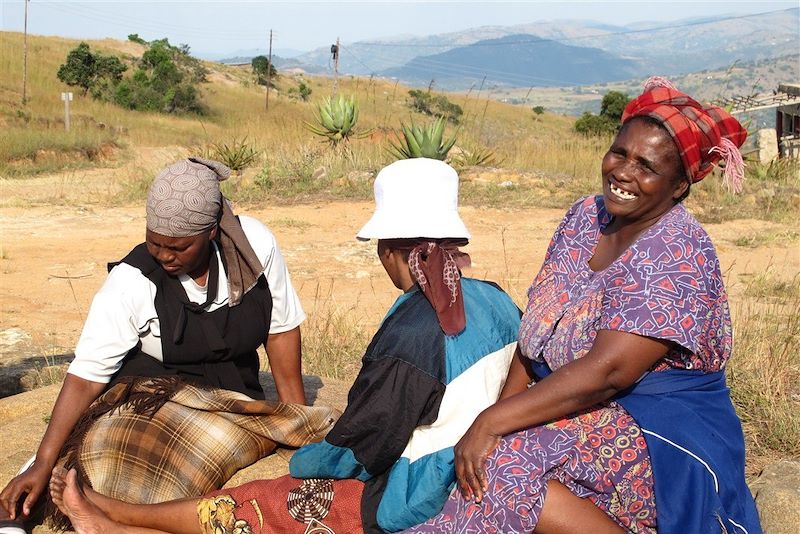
<point>194,301</point>
<point>629,326</point>
<point>440,356</point>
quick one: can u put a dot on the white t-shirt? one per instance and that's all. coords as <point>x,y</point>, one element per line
<point>123,312</point>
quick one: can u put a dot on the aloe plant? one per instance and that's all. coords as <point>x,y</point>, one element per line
<point>237,154</point>
<point>423,141</point>
<point>336,119</point>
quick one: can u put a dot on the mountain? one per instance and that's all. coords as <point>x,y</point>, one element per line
<point>678,47</point>
<point>517,60</point>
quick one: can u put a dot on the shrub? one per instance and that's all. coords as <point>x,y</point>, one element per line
<point>539,110</point>
<point>434,105</point>
<point>590,124</point>
<point>134,38</point>
<point>263,69</point>
<point>301,92</point>
<point>165,81</point>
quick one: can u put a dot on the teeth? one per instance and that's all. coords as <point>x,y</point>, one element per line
<point>621,194</point>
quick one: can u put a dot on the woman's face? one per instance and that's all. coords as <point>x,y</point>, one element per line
<point>181,255</point>
<point>642,173</point>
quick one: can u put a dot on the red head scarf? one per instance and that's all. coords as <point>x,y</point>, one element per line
<point>436,267</point>
<point>703,135</point>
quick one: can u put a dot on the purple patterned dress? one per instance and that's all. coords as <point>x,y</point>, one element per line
<point>667,285</point>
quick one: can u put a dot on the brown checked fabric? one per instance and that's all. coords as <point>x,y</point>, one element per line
<point>154,440</point>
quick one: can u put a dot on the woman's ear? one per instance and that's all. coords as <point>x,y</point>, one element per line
<point>214,231</point>
<point>680,189</point>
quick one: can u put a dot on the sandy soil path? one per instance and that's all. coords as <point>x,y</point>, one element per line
<point>54,259</point>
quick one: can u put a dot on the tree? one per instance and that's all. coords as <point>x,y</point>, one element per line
<point>590,124</point>
<point>86,70</point>
<point>607,122</point>
<point>134,37</point>
<point>613,105</point>
<point>262,66</point>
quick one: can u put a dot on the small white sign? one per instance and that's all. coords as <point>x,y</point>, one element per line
<point>66,97</point>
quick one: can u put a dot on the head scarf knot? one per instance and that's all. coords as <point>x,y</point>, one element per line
<point>185,200</point>
<point>435,265</point>
<point>704,135</point>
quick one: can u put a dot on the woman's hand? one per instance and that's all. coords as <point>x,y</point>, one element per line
<point>471,453</point>
<point>75,397</point>
<point>33,482</point>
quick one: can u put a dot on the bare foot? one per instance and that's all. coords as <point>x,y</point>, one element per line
<point>67,494</point>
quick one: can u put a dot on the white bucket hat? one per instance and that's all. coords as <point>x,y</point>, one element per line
<point>415,198</point>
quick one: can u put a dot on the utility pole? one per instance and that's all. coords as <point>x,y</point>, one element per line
<point>25,58</point>
<point>269,69</point>
<point>335,52</point>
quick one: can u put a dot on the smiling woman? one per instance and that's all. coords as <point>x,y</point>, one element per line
<point>629,425</point>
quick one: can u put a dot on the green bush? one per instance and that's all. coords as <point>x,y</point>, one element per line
<point>165,81</point>
<point>301,92</point>
<point>87,70</point>
<point>263,69</point>
<point>590,124</point>
<point>134,38</point>
<point>434,105</point>
<point>611,109</point>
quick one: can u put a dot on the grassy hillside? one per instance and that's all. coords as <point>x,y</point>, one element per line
<point>538,159</point>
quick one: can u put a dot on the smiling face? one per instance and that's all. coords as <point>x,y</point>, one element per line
<point>643,176</point>
<point>182,255</point>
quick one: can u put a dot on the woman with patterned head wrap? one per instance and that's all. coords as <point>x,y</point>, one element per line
<point>628,425</point>
<point>194,301</point>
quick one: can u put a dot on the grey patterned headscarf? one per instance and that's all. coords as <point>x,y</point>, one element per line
<point>185,200</point>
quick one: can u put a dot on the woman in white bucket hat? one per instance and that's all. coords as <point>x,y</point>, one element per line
<point>439,358</point>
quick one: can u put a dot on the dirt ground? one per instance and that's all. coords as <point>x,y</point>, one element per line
<point>57,233</point>
<point>56,236</point>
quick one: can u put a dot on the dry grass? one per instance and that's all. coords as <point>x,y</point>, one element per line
<point>764,374</point>
<point>547,163</point>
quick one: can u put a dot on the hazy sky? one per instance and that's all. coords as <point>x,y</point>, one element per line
<point>221,27</point>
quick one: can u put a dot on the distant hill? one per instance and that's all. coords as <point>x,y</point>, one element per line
<point>679,47</point>
<point>517,60</point>
<point>739,79</point>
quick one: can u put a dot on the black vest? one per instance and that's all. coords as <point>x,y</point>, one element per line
<point>216,348</point>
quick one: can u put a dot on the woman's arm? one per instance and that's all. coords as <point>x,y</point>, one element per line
<point>284,354</point>
<point>75,397</point>
<point>615,362</point>
<point>519,376</point>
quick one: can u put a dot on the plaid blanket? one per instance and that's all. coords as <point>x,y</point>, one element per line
<point>150,440</point>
